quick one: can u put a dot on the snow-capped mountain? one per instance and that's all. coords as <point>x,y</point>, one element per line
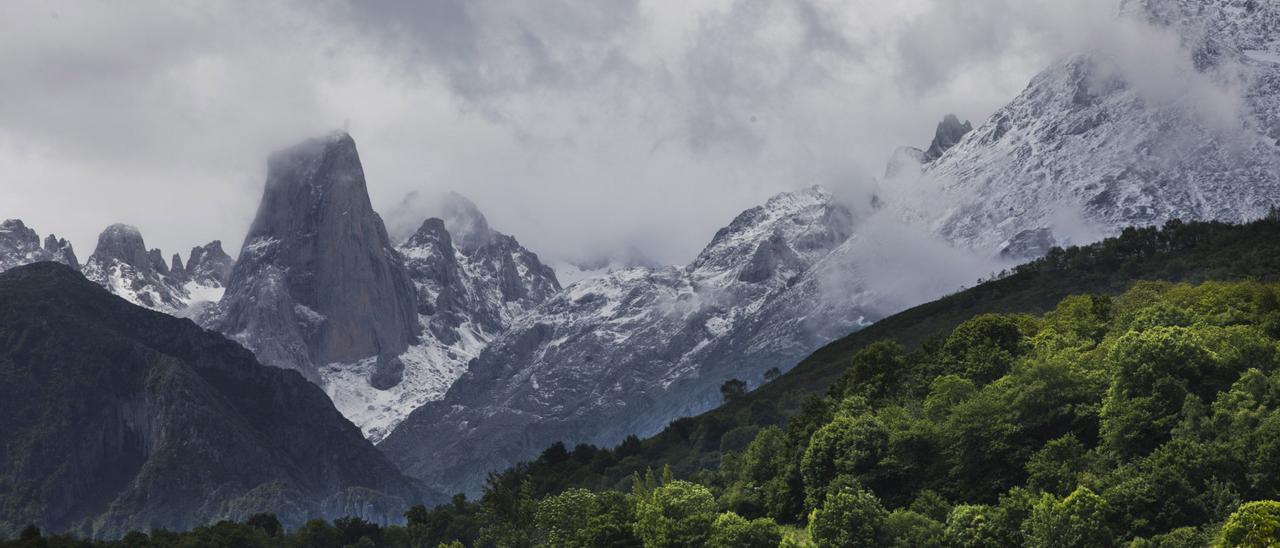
<point>122,264</point>
<point>622,353</point>
<point>1097,142</point>
<point>469,290</point>
<point>320,288</point>
<point>1083,152</point>
<point>20,245</point>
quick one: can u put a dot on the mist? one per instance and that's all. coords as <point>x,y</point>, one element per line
<point>582,128</point>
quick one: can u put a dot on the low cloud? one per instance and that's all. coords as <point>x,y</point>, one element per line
<point>579,127</point>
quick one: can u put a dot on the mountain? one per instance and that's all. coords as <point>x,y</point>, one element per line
<point>695,447</point>
<point>1089,148</point>
<point>20,245</point>
<point>622,353</point>
<point>1098,141</point>
<point>122,264</point>
<point>317,280</point>
<point>115,418</point>
<point>470,288</point>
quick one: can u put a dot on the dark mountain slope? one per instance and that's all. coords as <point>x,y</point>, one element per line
<point>114,417</point>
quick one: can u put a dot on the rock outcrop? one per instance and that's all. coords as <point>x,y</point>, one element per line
<point>318,281</point>
<point>20,245</point>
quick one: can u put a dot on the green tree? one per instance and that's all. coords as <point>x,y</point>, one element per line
<point>850,446</point>
<point>612,524</point>
<point>874,372</point>
<point>1079,520</point>
<point>849,518</point>
<point>678,513</point>
<point>733,531</point>
<point>561,518</point>
<point>1057,466</point>
<point>971,526</point>
<point>984,348</point>
<point>1153,372</point>
<point>1253,524</point>
<point>908,529</point>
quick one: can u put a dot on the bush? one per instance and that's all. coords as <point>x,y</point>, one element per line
<point>1253,524</point>
<point>733,531</point>
<point>676,514</point>
<point>847,518</point>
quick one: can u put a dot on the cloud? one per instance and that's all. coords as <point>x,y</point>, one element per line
<point>577,126</point>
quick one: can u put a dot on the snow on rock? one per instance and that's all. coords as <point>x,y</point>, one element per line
<point>122,264</point>
<point>1084,151</point>
<point>621,353</point>
<point>467,294</point>
<point>20,245</point>
<point>1094,145</point>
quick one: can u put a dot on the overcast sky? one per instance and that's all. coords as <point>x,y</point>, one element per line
<point>578,127</point>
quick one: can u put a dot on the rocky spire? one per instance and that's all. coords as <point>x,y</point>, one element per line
<point>318,281</point>
<point>950,131</point>
<point>175,267</point>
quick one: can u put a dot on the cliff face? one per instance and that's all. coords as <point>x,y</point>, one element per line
<point>114,417</point>
<point>318,280</point>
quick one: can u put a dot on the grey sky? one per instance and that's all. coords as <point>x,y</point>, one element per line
<point>578,127</point>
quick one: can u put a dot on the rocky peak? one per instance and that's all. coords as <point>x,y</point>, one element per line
<point>432,235</point>
<point>465,222</point>
<point>122,243</point>
<point>433,264</point>
<point>775,241</point>
<point>318,280</point>
<point>122,264</point>
<point>209,264</point>
<point>17,236</point>
<point>950,131</point>
<point>20,245</point>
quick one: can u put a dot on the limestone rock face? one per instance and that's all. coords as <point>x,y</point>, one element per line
<point>318,280</point>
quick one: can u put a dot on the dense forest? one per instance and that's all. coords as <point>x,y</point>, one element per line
<point>1063,404</point>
